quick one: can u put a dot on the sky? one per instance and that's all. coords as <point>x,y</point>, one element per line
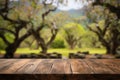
<point>72,4</point>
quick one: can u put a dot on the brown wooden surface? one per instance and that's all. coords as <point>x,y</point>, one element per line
<point>59,66</point>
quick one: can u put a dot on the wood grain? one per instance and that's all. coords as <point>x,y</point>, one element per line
<point>44,67</point>
<point>29,67</point>
<point>6,64</point>
<point>15,66</point>
<point>98,67</point>
<point>59,66</point>
<point>113,64</point>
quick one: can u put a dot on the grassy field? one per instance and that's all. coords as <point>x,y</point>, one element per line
<point>64,52</point>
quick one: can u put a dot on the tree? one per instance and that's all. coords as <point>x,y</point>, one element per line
<point>45,24</point>
<point>49,26</point>
<point>29,16</point>
<point>15,25</point>
<point>107,27</point>
<point>112,5</point>
<point>73,34</point>
<point>41,41</point>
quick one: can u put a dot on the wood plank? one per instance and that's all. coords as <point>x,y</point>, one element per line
<point>98,67</point>
<point>44,67</point>
<point>80,67</point>
<point>7,64</point>
<point>4,61</point>
<point>113,64</point>
<point>67,67</point>
<point>58,67</point>
<point>15,66</point>
<point>29,67</point>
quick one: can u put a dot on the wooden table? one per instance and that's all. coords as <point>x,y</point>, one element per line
<point>60,67</point>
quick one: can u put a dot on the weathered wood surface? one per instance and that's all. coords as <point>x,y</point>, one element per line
<point>59,66</point>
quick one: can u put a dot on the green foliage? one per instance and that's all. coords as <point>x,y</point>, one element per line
<point>60,18</point>
<point>74,28</point>
<point>58,43</point>
<point>89,40</point>
<point>8,26</point>
<point>9,37</point>
<point>2,45</point>
<point>73,32</point>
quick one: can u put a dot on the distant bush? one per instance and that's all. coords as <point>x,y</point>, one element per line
<point>58,44</point>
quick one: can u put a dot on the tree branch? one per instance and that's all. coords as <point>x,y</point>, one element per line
<point>24,37</point>
<point>100,36</point>
<point>106,27</point>
<point>99,30</point>
<point>54,31</point>
<point>4,39</point>
<point>18,29</point>
<point>10,31</point>
<point>112,8</point>
<point>47,12</point>
<point>5,7</point>
<point>92,29</point>
<point>52,37</point>
<point>6,4</point>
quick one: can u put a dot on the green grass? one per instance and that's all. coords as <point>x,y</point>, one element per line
<point>64,52</point>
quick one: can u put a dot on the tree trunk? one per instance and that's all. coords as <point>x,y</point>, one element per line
<point>44,49</point>
<point>72,46</point>
<point>114,48</point>
<point>115,41</point>
<point>111,49</point>
<point>108,50</point>
<point>10,50</point>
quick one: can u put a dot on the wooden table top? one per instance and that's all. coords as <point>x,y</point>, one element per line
<point>59,66</point>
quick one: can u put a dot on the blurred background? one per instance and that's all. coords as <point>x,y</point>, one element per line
<point>68,28</point>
